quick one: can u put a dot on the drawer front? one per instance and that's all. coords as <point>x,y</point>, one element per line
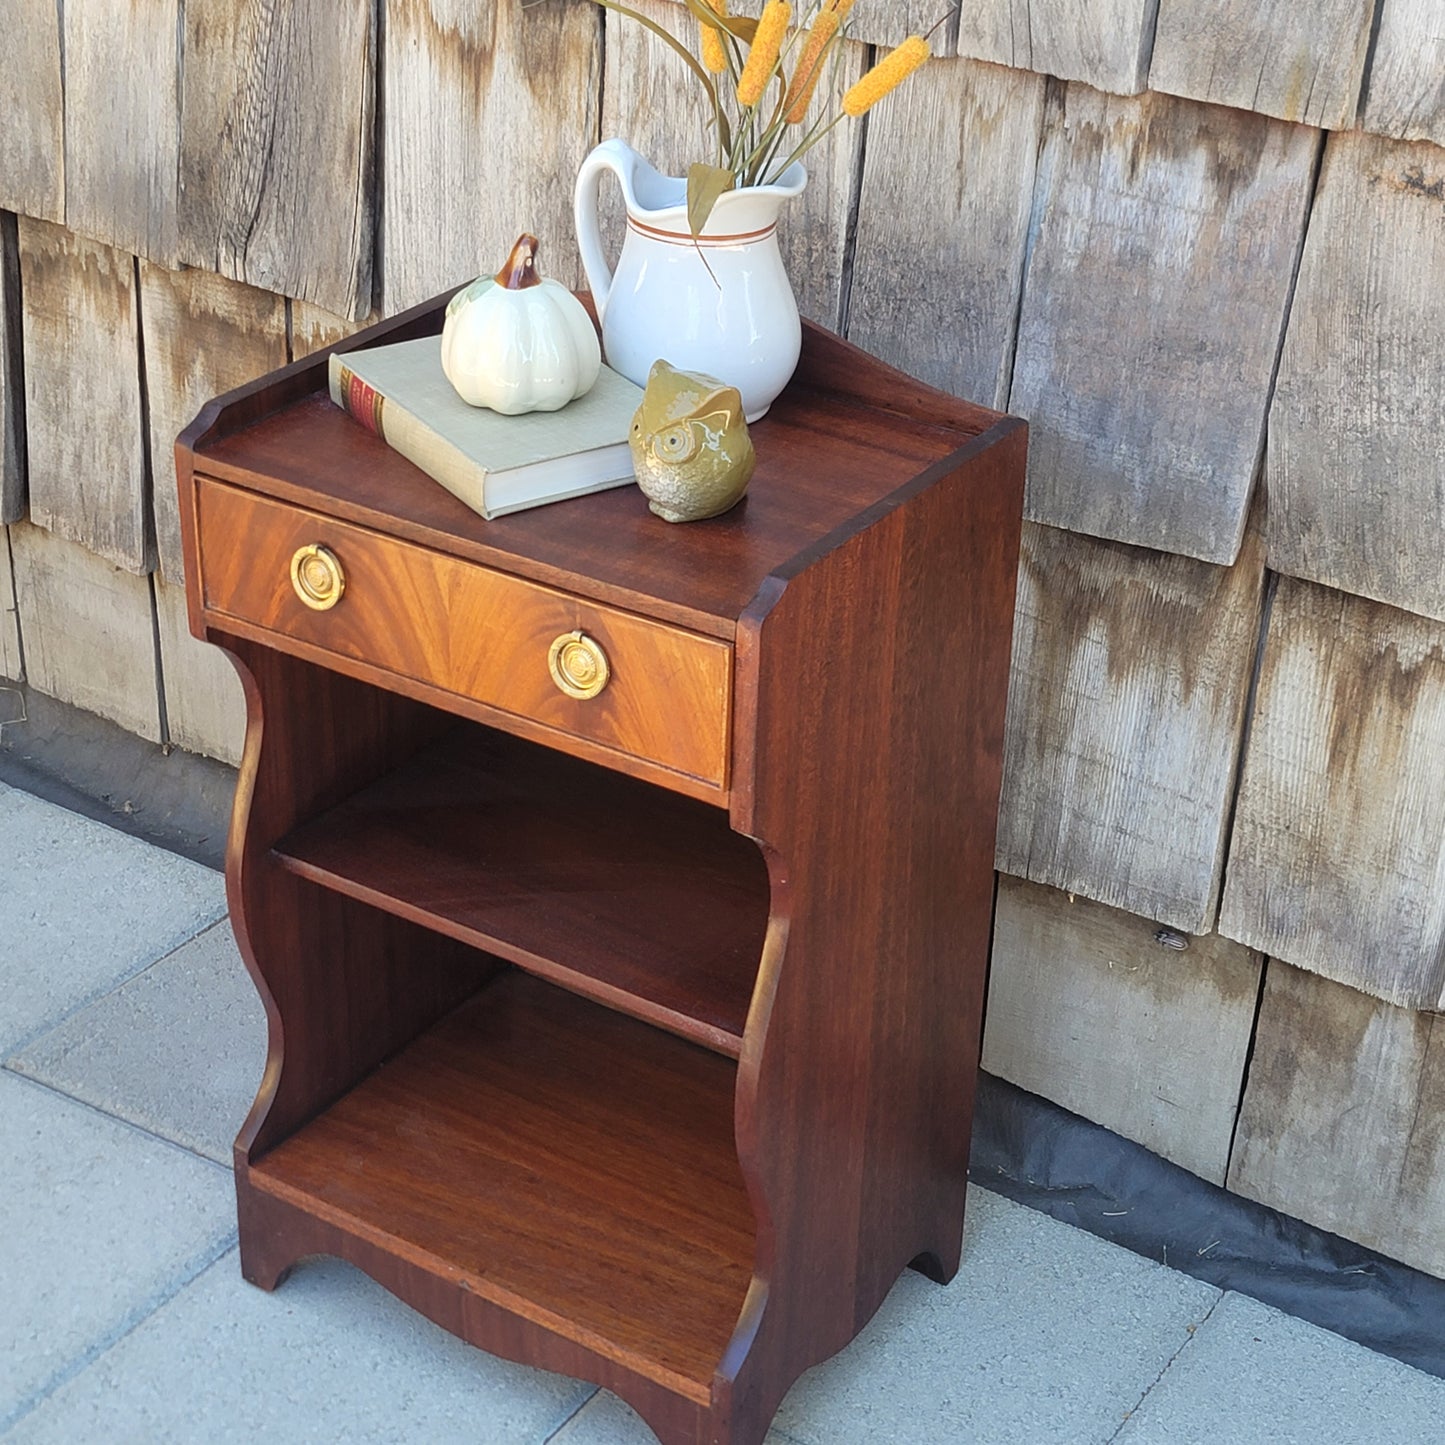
<point>471,631</point>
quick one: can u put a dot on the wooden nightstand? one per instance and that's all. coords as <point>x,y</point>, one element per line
<point>632,1036</point>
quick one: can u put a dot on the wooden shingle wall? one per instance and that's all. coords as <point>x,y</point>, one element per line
<point>32,113</point>
<point>1405,96</point>
<point>277,150</point>
<point>11,662</point>
<point>1152,316</point>
<point>1103,43</point>
<point>1201,246</point>
<point>13,450</point>
<point>487,112</point>
<point>1357,494</point>
<point>1298,62</point>
<point>122,91</point>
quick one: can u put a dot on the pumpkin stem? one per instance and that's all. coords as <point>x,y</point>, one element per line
<point>520,268</point>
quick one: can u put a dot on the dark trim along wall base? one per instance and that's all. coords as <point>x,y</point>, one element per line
<point>1032,1151</point>
<point>71,757</point>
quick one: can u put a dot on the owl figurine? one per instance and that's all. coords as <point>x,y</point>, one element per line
<point>690,445</point>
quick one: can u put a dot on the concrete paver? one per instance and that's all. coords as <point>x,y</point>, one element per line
<point>605,1420</point>
<point>1047,1334</point>
<point>179,1049</point>
<point>98,1224</point>
<point>119,1323</point>
<point>329,1357</point>
<point>1255,1376</point>
<point>83,907</point>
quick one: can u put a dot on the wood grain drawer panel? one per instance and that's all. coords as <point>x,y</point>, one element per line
<point>471,631</point>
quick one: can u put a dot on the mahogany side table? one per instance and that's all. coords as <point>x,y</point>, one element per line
<point>631,1035</point>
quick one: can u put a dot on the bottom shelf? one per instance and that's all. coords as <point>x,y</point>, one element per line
<point>569,1164</point>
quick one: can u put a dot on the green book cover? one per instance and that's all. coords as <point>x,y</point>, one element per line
<point>494,463</point>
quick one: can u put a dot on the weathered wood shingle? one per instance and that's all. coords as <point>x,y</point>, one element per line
<point>1088,1007</point>
<point>122,122</point>
<point>1298,62</point>
<point>12,400</point>
<point>1104,43</point>
<point>32,112</point>
<point>87,630</point>
<point>1405,89</point>
<point>277,153</point>
<point>1126,698</point>
<point>488,111</point>
<point>1357,429</point>
<point>205,704</point>
<point>203,335</point>
<point>1337,859</point>
<point>10,660</point>
<point>82,394</point>
<point>1343,1120</point>
<point>938,262</point>
<point>313,327</point>
<point>887,24</point>
<point>1152,313</point>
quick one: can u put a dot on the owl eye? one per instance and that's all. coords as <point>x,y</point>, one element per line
<point>676,444</point>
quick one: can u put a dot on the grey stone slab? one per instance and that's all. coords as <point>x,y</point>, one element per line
<point>328,1357</point>
<point>1253,1374</point>
<point>605,1420</point>
<point>1047,1334</point>
<point>83,907</point>
<point>179,1049</point>
<point>98,1225</point>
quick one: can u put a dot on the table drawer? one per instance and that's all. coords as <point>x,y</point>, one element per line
<point>469,630</point>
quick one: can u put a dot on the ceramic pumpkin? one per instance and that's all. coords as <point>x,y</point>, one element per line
<point>515,342</point>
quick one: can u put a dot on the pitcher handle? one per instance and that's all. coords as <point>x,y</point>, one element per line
<point>619,158</point>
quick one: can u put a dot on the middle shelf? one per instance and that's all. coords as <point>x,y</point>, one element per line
<point>624,892</point>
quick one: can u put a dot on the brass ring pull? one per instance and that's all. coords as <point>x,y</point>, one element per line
<point>317,576</point>
<point>578,665</point>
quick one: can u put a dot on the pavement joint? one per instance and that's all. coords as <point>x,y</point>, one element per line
<point>25,1041</point>
<point>8,1066</point>
<point>562,1425</point>
<point>1192,1335</point>
<point>928,1360</point>
<point>188,1271</point>
<point>192,1270</point>
<point>105,991</point>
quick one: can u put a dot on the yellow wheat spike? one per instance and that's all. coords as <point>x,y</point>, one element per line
<point>810,66</point>
<point>714,57</point>
<point>890,72</point>
<point>763,53</point>
<point>840,8</point>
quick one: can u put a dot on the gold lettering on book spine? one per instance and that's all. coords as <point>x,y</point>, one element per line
<point>362,401</point>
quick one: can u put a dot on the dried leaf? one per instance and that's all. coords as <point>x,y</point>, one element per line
<point>705,184</point>
<point>744,27</point>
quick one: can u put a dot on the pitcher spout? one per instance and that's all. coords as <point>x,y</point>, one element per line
<point>752,208</point>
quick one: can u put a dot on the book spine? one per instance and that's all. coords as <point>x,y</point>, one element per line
<point>359,400</point>
<point>407,434</point>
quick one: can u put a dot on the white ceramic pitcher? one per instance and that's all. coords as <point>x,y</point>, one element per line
<point>719,303</point>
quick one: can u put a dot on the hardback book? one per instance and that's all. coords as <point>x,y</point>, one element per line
<point>495,464</point>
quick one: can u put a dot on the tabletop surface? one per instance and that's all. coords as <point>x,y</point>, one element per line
<point>824,457</point>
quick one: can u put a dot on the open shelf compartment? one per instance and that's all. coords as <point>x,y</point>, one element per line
<point>572,1166</point>
<point>624,892</point>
